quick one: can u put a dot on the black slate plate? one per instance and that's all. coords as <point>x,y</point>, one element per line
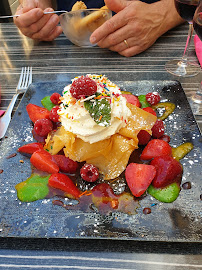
<point>178,221</point>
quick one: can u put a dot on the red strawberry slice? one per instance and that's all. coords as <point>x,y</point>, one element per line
<point>167,170</point>
<point>36,112</point>
<point>156,148</point>
<point>64,183</point>
<point>132,99</point>
<point>149,110</point>
<point>139,177</point>
<point>30,148</point>
<point>43,161</point>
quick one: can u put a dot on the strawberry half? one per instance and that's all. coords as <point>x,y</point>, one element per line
<point>30,148</point>
<point>167,171</point>
<point>43,161</point>
<point>156,148</point>
<point>132,99</point>
<point>36,112</point>
<point>63,182</point>
<point>139,177</point>
<point>149,110</point>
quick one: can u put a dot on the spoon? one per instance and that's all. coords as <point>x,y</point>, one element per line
<point>50,12</point>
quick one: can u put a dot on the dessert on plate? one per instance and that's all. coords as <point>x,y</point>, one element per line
<point>95,137</point>
<point>99,128</point>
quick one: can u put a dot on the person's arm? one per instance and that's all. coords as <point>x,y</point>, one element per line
<point>33,23</point>
<point>136,26</point>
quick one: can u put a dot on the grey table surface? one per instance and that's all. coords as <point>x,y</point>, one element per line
<point>58,61</point>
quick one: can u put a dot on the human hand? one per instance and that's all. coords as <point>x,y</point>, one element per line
<point>136,26</point>
<point>33,23</point>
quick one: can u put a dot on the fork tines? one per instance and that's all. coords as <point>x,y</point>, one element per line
<point>25,78</point>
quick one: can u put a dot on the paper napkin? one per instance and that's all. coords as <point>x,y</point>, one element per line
<point>198,48</point>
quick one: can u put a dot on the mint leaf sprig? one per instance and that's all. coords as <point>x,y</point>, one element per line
<point>99,109</point>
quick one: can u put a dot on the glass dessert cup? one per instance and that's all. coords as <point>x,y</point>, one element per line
<point>80,24</point>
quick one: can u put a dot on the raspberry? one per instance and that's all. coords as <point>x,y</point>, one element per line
<point>89,172</point>
<point>53,114</point>
<point>55,98</point>
<point>153,98</point>
<point>143,137</point>
<point>38,138</point>
<point>83,86</point>
<point>158,129</point>
<point>43,126</point>
<point>149,110</point>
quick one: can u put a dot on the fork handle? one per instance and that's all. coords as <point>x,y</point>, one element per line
<point>11,105</point>
<point>6,118</point>
<point>48,12</point>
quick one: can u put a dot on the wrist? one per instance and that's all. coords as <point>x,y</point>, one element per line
<point>171,16</point>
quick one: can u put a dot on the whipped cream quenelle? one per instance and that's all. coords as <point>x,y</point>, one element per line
<point>75,118</point>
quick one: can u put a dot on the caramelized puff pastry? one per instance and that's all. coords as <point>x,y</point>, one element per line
<point>90,22</point>
<point>79,5</point>
<point>111,155</point>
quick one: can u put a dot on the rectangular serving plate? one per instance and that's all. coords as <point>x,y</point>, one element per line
<point>178,221</point>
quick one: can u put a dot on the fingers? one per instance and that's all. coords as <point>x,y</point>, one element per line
<point>116,5</point>
<point>52,35</point>
<point>28,18</point>
<point>126,51</point>
<point>37,25</point>
<point>131,51</point>
<point>108,27</point>
<point>131,46</point>
<point>55,33</point>
<point>50,31</point>
<point>127,48</point>
<point>116,22</point>
<point>116,37</point>
<point>121,46</point>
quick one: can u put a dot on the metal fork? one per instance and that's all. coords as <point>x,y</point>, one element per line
<point>24,81</point>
